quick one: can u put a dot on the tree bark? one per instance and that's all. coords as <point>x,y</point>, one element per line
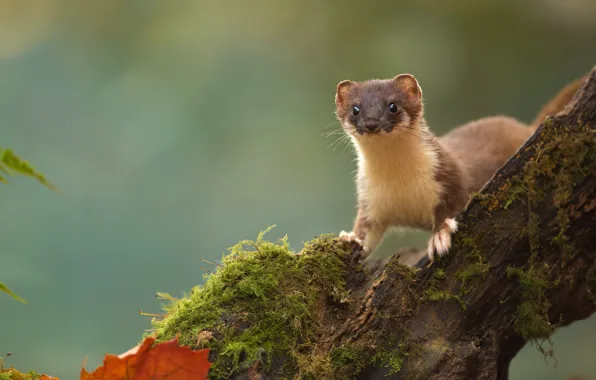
<point>522,265</point>
<point>529,236</point>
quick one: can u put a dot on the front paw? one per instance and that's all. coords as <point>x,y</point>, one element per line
<point>440,241</point>
<point>350,237</point>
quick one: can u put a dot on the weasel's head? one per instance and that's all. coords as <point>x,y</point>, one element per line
<point>379,107</point>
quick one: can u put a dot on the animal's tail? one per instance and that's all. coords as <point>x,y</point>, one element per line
<point>558,103</point>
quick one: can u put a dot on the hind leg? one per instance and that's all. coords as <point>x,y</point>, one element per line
<point>440,241</point>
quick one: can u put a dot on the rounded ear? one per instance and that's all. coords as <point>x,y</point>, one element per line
<point>343,89</point>
<point>409,85</point>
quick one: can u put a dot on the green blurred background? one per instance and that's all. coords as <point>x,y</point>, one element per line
<point>173,129</point>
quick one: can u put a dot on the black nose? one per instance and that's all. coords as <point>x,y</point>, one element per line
<point>371,127</point>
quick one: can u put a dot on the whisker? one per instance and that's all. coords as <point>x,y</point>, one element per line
<point>344,141</point>
<point>335,142</point>
<point>334,123</point>
<point>328,125</point>
<point>335,130</point>
<point>333,133</point>
<point>347,143</point>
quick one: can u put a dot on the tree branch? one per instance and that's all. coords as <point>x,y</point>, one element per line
<point>522,265</point>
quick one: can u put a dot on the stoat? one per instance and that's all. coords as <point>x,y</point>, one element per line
<point>407,176</point>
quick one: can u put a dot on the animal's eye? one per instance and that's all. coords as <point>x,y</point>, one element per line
<point>392,107</point>
<point>355,110</point>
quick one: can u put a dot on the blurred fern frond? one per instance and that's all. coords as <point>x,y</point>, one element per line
<point>11,163</point>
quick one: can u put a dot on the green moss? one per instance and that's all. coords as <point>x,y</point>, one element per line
<point>471,272</point>
<point>476,269</point>
<point>509,192</point>
<point>576,165</point>
<point>349,360</point>
<point>533,233</point>
<point>13,374</point>
<point>262,302</point>
<point>392,360</point>
<point>433,293</point>
<point>312,365</point>
<point>404,272</point>
<point>532,321</point>
<point>562,158</point>
<point>565,157</point>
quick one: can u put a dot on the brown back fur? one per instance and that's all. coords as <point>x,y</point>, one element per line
<point>484,145</point>
<point>558,103</point>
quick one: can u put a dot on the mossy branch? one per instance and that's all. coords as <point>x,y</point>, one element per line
<point>522,265</point>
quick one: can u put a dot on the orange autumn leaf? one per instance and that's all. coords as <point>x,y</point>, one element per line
<point>166,360</point>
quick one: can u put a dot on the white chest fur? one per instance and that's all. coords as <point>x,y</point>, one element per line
<point>396,181</point>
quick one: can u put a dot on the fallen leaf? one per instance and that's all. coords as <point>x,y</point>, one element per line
<point>132,351</point>
<point>166,360</point>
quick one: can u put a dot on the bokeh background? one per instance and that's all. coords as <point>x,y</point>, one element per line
<point>173,129</point>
